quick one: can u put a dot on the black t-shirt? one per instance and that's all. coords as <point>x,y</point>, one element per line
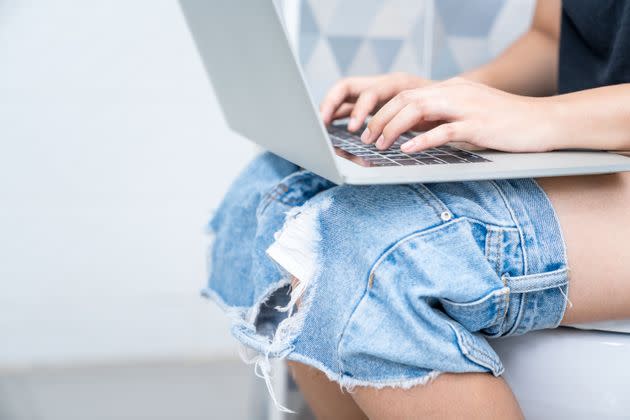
<point>594,45</point>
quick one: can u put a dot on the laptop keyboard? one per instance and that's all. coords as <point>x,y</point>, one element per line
<point>351,144</point>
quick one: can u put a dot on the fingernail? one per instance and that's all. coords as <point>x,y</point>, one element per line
<point>353,124</point>
<point>380,142</point>
<point>365,137</point>
<point>407,147</point>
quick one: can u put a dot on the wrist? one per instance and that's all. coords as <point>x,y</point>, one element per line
<point>556,124</point>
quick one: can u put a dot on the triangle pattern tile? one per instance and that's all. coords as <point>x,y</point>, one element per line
<point>406,61</point>
<point>345,49</point>
<point>443,62</point>
<point>512,22</point>
<point>468,52</point>
<point>396,19</point>
<point>353,18</point>
<point>322,70</point>
<point>308,42</point>
<point>323,10</point>
<point>468,18</point>
<point>308,24</point>
<point>365,62</point>
<point>417,37</point>
<point>386,51</point>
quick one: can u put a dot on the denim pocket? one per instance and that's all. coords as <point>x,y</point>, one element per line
<point>482,313</point>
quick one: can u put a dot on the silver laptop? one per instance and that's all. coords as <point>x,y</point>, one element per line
<point>264,97</point>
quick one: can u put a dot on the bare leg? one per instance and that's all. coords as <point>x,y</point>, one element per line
<point>324,397</point>
<point>594,212</point>
<point>450,396</point>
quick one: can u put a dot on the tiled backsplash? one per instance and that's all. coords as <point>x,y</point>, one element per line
<point>435,38</point>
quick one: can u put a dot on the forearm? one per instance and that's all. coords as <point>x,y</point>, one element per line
<point>528,67</point>
<point>590,119</point>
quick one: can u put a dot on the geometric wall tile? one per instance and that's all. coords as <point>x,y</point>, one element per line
<point>352,37</point>
<point>512,21</point>
<point>468,52</point>
<point>322,70</point>
<point>365,63</point>
<point>323,10</point>
<point>396,19</point>
<point>308,42</point>
<point>386,51</point>
<point>308,23</point>
<point>352,18</point>
<point>345,49</point>
<point>468,18</point>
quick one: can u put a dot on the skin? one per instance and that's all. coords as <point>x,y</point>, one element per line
<point>509,104</point>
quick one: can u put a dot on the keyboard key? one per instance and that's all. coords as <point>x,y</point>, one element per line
<point>409,162</point>
<point>430,161</point>
<point>450,158</point>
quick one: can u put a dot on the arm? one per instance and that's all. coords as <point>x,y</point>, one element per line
<point>592,119</point>
<point>530,65</point>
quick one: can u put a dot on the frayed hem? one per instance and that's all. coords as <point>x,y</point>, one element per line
<point>233,312</point>
<point>349,383</point>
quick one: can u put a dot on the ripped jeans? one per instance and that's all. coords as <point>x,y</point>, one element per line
<point>396,283</point>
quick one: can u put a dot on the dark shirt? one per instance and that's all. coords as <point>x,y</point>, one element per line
<point>594,45</point>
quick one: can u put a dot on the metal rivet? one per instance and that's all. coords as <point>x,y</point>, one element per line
<point>446,216</point>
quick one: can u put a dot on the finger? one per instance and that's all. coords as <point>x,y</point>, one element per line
<point>366,103</point>
<point>369,101</point>
<point>342,91</point>
<point>439,136</point>
<point>404,121</point>
<point>343,111</point>
<point>385,114</point>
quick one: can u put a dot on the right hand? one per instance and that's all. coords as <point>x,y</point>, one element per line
<point>358,97</point>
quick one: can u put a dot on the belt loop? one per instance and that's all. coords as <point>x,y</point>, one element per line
<point>537,282</point>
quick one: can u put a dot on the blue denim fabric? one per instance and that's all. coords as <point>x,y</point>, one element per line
<point>399,283</point>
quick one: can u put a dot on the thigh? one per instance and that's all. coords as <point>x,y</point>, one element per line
<point>594,212</point>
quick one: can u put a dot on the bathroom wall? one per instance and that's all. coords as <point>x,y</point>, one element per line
<point>434,38</point>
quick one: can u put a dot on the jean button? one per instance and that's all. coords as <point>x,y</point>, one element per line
<point>446,216</point>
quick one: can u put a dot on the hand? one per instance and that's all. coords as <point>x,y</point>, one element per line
<point>358,97</point>
<point>467,111</point>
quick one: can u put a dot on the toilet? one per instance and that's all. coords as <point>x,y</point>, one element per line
<point>577,373</point>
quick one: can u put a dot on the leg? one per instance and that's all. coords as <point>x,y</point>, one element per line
<point>594,213</point>
<point>323,396</point>
<point>450,396</point>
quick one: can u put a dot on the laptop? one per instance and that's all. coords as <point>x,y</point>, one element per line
<point>264,97</point>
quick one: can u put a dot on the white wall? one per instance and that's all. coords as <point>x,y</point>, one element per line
<point>111,159</point>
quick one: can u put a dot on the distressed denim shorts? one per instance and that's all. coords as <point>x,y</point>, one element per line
<point>396,284</point>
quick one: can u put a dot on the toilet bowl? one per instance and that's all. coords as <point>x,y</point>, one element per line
<point>578,373</point>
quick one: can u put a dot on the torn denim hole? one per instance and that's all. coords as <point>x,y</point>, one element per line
<point>296,247</point>
<point>296,251</point>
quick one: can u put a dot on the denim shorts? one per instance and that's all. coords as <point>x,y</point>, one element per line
<point>396,284</point>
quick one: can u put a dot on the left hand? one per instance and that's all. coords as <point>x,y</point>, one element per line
<point>465,111</point>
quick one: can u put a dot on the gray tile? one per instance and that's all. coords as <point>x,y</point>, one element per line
<point>468,18</point>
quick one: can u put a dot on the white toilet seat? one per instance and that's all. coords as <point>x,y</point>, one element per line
<point>569,373</point>
<point>620,326</point>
